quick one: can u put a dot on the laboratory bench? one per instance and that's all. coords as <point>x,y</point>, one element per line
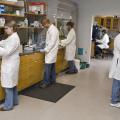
<point>32,68</point>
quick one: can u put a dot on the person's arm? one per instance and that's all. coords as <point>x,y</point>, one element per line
<point>69,38</point>
<point>52,41</point>
<point>2,43</point>
<point>99,41</point>
<point>9,49</point>
<point>117,45</point>
<point>104,40</point>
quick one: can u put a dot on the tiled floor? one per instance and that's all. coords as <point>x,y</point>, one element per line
<point>89,100</point>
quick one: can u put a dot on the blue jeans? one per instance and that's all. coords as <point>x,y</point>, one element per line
<point>115,98</point>
<point>49,74</point>
<point>11,98</point>
<point>71,67</point>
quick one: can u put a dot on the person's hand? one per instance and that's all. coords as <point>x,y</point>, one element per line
<point>62,43</point>
<point>42,50</point>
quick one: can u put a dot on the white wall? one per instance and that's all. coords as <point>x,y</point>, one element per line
<point>52,8</point>
<point>66,7</point>
<point>88,9</point>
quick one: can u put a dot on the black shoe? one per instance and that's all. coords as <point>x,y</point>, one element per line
<point>41,82</point>
<point>67,72</point>
<point>43,86</point>
<point>76,71</point>
<point>72,72</point>
<point>54,82</point>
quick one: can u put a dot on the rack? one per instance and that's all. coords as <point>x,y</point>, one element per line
<point>11,15</point>
<point>37,34</point>
<point>11,4</point>
<point>29,13</point>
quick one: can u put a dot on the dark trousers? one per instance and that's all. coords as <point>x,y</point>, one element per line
<point>49,74</point>
<point>71,67</point>
<point>98,50</point>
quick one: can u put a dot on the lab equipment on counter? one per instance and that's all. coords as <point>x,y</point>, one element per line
<point>42,50</point>
<point>26,22</point>
<point>29,48</point>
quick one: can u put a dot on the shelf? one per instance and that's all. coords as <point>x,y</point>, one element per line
<point>12,4</point>
<point>11,15</point>
<point>35,14</point>
<point>29,28</point>
<point>26,28</point>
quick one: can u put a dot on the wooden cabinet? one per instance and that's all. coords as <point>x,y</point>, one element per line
<point>116,24</point>
<point>32,69</point>
<point>100,20</point>
<point>112,23</point>
<point>2,95</point>
<point>108,22</point>
<point>61,63</point>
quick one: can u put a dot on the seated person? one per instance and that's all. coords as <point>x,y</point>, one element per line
<point>102,44</point>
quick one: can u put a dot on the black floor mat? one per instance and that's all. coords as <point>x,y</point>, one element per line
<point>52,93</point>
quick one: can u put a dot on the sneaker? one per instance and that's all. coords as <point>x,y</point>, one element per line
<point>117,105</point>
<point>3,109</point>
<point>43,86</point>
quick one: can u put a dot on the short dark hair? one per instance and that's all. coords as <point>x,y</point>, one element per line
<point>104,31</point>
<point>71,24</point>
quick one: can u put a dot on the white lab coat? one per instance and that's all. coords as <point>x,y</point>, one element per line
<point>104,42</point>
<point>115,68</point>
<point>9,50</point>
<point>52,42</point>
<point>70,44</point>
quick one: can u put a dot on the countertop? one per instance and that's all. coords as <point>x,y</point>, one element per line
<point>31,52</point>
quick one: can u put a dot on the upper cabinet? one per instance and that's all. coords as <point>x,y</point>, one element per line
<point>111,23</point>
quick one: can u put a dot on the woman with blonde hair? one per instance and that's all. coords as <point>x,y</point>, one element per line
<point>9,51</point>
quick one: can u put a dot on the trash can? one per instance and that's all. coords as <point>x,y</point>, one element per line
<point>82,65</point>
<point>77,64</point>
<point>87,65</point>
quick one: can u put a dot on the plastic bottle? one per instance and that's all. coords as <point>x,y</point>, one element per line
<point>26,22</point>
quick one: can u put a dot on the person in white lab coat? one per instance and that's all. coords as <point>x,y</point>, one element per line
<point>70,44</point>
<point>51,49</point>
<point>9,51</point>
<point>103,43</point>
<point>115,74</point>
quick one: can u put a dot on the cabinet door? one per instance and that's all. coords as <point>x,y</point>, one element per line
<point>31,70</point>
<point>108,22</point>
<point>1,93</point>
<point>98,20</point>
<point>102,21</point>
<point>115,23</point>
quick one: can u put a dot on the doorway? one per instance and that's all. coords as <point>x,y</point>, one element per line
<point>110,24</point>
